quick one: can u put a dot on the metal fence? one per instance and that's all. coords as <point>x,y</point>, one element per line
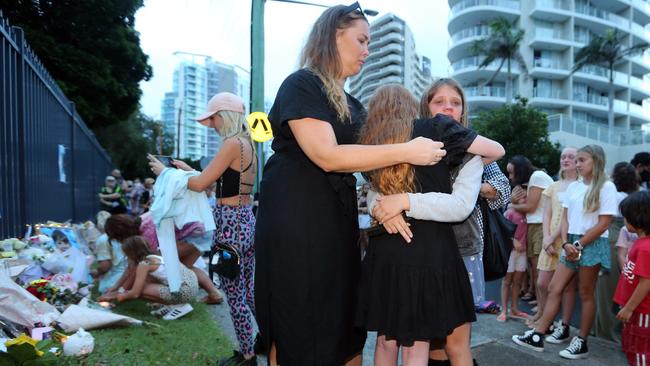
<point>51,165</point>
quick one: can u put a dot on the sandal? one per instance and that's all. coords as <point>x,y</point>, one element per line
<point>178,311</point>
<point>210,300</point>
<point>502,317</point>
<point>519,315</point>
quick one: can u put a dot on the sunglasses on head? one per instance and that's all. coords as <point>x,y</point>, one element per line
<point>356,7</point>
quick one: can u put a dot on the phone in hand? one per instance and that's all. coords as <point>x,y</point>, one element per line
<point>166,160</point>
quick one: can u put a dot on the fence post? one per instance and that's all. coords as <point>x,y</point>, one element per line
<point>73,177</point>
<point>21,188</point>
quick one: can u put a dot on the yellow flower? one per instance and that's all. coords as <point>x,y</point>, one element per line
<point>22,339</point>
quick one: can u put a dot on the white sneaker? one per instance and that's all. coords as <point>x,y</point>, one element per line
<point>162,310</point>
<point>561,333</point>
<point>178,311</point>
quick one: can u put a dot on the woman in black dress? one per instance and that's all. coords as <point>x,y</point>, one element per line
<point>416,293</point>
<point>308,260</point>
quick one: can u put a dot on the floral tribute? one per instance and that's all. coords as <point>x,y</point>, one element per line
<point>59,290</point>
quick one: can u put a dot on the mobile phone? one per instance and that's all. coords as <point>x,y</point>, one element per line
<point>166,160</point>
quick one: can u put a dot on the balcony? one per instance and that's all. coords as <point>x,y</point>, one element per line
<point>393,26</point>
<point>480,11</point>
<point>598,77</point>
<point>550,39</point>
<point>547,68</point>
<point>643,8</point>
<point>466,70</point>
<point>551,10</point>
<point>591,11</point>
<point>379,42</point>
<point>597,131</point>
<point>639,111</point>
<point>486,96</point>
<point>460,44</point>
<point>391,48</point>
<point>511,4</point>
<point>477,31</point>
<point>640,85</point>
<point>590,99</point>
<point>485,91</point>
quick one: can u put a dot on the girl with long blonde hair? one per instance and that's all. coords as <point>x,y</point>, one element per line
<point>588,209</point>
<point>399,280</point>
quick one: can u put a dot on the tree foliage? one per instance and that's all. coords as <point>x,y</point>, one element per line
<point>130,141</point>
<point>607,50</point>
<point>522,130</point>
<point>91,49</point>
<point>501,44</point>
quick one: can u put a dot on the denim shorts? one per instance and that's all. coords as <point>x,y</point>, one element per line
<point>595,253</point>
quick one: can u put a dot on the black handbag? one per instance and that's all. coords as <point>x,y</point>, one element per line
<point>228,263</point>
<point>498,233</point>
<point>228,260</point>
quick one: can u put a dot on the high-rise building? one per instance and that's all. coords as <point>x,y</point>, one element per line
<point>225,78</point>
<point>392,59</point>
<point>556,30</point>
<point>193,85</point>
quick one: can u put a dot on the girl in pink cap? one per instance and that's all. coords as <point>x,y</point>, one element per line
<point>234,170</point>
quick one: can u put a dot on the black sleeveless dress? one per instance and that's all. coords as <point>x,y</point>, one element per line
<point>420,291</point>
<point>306,252</point>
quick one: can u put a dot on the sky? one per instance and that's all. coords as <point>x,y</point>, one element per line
<point>221,29</point>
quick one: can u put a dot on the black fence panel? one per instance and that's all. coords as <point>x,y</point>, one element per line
<point>51,165</point>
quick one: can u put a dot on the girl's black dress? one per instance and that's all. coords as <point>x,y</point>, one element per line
<point>306,252</point>
<point>420,291</point>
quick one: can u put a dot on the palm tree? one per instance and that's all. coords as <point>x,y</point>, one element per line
<point>501,44</point>
<point>607,50</point>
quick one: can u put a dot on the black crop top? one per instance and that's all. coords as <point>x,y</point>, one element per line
<point>228,184</point>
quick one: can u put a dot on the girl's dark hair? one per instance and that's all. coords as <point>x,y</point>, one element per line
<point>523,169</point>
<point>136,248</point>
<point>636,210</point>
<point>120,227</point>
<point>625,177</point>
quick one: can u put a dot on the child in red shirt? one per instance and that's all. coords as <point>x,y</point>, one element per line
<point>634,283</point>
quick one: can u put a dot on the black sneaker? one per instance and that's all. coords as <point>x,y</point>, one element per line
<point>238,359</point>
<point>577,349</point>
<point>560,334</point>
<point>551,329</point>
<point>531,340</point>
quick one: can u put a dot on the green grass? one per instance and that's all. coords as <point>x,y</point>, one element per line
<point>193,339</point>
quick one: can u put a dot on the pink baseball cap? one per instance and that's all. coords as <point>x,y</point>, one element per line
<point>222,102</point>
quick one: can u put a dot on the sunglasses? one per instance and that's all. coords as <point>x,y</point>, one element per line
<point>356,7</point>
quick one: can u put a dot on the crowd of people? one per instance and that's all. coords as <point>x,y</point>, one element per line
<point>301,273</point>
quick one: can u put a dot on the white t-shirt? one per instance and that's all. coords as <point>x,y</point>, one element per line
<point>580,221</point>
<point>620,196</point>
<point>541,180</point>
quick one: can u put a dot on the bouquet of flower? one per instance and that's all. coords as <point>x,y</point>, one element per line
<point>24,350</point>
<point>59,290</point>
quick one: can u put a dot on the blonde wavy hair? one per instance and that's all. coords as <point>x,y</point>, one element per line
<point>321,56</point>
<point>591,201</point>
<point>431,92</point>
<point>234,126</point>
<point>391,111</point>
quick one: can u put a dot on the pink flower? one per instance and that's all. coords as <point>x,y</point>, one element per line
<point>65,282</point>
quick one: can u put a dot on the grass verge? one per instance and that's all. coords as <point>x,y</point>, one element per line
<point>191,340</point>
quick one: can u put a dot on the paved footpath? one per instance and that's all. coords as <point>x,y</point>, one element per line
<point>491,345</point>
